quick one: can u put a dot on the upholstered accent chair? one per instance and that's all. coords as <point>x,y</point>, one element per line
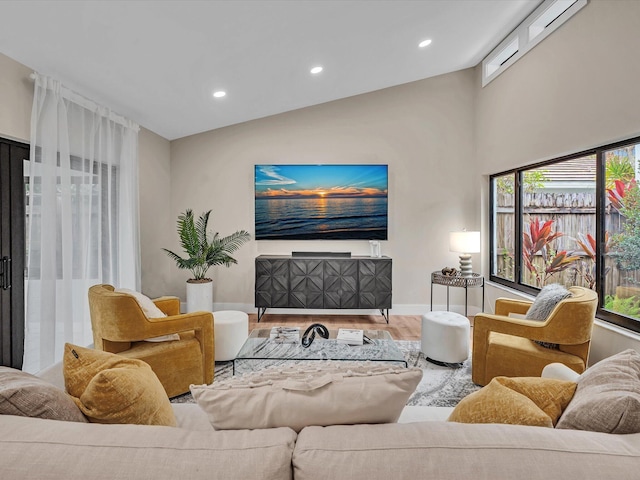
<point>505,346</point>
<point>120,326</point>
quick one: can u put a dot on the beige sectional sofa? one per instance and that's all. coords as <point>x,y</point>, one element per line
<point>38,449</point>
<point>421,445</point>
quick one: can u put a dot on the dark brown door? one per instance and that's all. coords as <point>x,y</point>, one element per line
<point>12,251</point>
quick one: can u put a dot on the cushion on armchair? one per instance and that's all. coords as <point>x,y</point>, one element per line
<point>543,305</point>
<point>151,311</point>
<point>546,301</point>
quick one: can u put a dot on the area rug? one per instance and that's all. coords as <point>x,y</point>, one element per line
<point>441,386</point>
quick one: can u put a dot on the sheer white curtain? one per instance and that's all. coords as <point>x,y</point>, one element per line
<point>82,216</point>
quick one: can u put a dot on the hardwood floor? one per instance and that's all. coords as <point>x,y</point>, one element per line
<point>400,327</point>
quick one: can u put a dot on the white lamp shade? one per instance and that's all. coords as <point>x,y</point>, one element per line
<point>464,242</point>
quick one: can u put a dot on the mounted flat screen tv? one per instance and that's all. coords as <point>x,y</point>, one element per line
<point>321,202</point>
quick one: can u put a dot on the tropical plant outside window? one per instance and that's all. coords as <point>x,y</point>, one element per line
<point>558,219</point>
<point>622,212</point>
<point>503,226</point>
<point>558,213</point>
<point>545,227</point>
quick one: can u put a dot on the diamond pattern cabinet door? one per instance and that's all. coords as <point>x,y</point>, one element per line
<point>306,283</point>
<point>375,283</point>
<point>340,284</point>
<point>272,283</point>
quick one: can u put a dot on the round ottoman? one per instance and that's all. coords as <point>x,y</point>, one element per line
<point>445,337</point>
<point>231,329</point>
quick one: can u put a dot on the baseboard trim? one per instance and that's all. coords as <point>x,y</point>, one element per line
<point>402,309</point>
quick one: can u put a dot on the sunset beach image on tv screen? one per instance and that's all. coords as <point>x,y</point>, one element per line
<point>328,202</point>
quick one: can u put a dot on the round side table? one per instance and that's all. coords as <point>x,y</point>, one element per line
<point>476,280</point>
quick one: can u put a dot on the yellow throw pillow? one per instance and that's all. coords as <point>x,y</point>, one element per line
<point>517,401</point>
<point>110,388</point>
<point>550,395</point>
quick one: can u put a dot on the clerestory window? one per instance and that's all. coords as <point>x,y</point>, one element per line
<point>544,20</point>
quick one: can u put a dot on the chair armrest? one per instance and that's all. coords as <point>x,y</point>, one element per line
<point>505,306</point>
<point>486,322</point>
<point>185,322</point>
<point>168,304</point>
<point>201,323</point>
<point>559,371</point>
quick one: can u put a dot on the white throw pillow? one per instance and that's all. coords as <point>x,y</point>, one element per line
<point>316,393</point>
<point>150,310</point>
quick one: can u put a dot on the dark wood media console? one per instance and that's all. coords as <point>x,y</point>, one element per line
<point>284,281</point>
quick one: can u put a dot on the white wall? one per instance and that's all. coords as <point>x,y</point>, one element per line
<point>16,98</point>
<point>575,90</point>
<point>422,130</point>
<point>156,223</point>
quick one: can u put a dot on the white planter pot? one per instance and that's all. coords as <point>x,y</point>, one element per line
<point>199,297</point>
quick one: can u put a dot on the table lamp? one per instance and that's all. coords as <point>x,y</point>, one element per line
<point>465,243</point>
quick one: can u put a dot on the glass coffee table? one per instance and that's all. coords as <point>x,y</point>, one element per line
<point>259,351</point>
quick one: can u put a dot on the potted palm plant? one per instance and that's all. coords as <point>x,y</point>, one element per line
<point>203,251</point>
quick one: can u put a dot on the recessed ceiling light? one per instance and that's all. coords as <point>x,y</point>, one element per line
<point>316,70</point>
<point>219,94</point>
<point>425,43</point>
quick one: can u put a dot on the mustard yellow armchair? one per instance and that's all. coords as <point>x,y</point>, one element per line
<point>504,346</point>
<point>120,326</point>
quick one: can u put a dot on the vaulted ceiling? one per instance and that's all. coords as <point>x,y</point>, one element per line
<point>159,62</point>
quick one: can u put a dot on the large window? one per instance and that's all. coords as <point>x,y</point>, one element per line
<point>503,190</point>
<point>620,252</point>
<point>92,195</point>
<point>574,221</point>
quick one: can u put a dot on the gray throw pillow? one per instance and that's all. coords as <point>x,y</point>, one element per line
<point>546,301</point>
<point>26,395</point>
<point>543,305</point>
<point>607,397</point>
